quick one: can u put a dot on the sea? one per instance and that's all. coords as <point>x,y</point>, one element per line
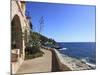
<point>80,50</point>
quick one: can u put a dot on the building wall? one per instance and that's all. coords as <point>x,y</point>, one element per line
<point>18,8</point>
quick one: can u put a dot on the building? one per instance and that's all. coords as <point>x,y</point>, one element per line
<point>20,33</point>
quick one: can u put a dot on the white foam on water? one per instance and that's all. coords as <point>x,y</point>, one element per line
<point>63,49</point>
<point>90,64</point>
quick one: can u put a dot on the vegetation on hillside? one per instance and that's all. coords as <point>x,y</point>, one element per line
<point>42,40</point>
<point>37,40</point>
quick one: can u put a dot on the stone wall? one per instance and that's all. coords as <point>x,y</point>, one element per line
<point>18,8</point>
<point>58,63</point>
<point>61,62</point>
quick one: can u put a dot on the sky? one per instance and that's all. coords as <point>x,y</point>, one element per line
<point>64,22</point>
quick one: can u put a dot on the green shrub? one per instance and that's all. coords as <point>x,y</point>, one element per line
<point>33,52</point>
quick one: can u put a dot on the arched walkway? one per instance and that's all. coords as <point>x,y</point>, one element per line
<point>16,34</point>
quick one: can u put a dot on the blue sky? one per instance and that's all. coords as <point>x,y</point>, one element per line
<point>64,22</point>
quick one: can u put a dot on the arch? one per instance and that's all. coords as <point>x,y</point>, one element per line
<point>16,34</point>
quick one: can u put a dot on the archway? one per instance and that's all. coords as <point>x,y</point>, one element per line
<point>16,34</point>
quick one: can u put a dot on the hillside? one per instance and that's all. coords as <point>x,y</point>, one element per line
<point>43,40</point>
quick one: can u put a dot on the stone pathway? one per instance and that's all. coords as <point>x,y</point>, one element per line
<point>40,64</point>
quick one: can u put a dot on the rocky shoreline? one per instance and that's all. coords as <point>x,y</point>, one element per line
<point>75,64</point>
<point>68,62</point>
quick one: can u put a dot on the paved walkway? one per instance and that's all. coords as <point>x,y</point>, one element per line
<point>40,64</point>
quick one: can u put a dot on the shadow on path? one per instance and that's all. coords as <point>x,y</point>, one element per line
<point>55,65</point>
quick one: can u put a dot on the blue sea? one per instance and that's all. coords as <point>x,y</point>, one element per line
<point>79,50</point>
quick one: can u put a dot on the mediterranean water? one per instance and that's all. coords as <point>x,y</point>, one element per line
<point>80,50</point>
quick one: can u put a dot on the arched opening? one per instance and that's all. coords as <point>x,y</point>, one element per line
<point>16,34</point>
